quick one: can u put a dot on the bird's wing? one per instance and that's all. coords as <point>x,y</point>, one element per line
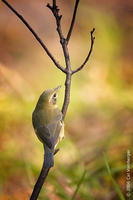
<point>55,128</point>
<point>49,134</point>
<point>44,135</point>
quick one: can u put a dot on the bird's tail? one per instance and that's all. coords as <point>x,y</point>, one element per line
<point>48,157</point>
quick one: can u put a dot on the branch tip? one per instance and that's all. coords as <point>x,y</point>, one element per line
<point>93,30</point>
<point>49,6</point>
<point>92,33</point>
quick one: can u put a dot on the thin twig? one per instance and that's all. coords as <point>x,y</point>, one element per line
<point>55,10</point>
<point>63,42</point>
<point>87,58</point>
<point>35,35</point>
<point>73,20</point>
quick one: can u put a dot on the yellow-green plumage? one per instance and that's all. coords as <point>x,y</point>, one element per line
<point>47,122</point>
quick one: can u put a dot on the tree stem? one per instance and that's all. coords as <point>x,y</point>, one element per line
<point>67,94</point>
<point>39,183</point>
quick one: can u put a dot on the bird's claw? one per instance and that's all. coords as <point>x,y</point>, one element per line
<point>56,150</point>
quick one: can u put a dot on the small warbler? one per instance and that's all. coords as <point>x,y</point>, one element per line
<point>48,124</point>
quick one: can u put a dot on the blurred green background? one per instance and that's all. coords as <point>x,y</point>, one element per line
<point>100,115</point>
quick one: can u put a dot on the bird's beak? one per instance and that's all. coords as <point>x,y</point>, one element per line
<point>56,89</point>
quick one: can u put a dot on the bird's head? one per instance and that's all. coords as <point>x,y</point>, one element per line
<point>49,97</point>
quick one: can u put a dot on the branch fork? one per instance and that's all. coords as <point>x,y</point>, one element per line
<point>67,70</point>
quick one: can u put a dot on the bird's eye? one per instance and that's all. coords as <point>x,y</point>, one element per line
<point>54,95</point>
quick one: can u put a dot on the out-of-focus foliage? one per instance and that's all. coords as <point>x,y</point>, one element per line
<point>100,114</point>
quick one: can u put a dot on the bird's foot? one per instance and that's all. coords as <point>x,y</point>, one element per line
<point>56,150</point>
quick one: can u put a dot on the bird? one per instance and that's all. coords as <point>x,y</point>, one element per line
<point>47,120</point>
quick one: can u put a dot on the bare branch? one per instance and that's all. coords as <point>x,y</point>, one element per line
<point>35,35</point>
<point>87,58</point>
<point>55,11</point>
<point>67,94</point>
<point>54,3</point>
<point>73,20</point>
<point>39,183</point>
